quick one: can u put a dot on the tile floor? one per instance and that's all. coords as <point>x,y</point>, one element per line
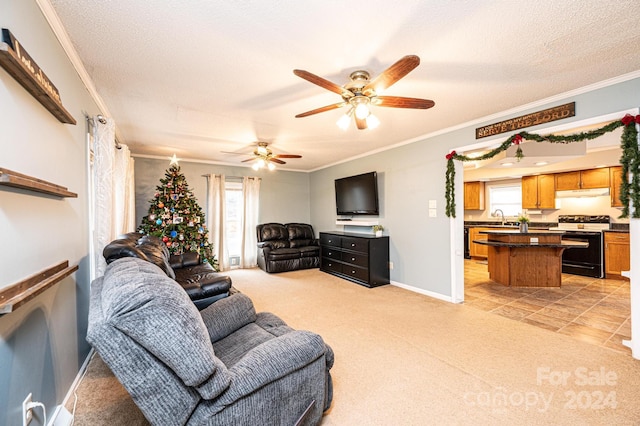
<point>590,309</point>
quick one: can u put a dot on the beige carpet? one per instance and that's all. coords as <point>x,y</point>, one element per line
<point>407,359</point>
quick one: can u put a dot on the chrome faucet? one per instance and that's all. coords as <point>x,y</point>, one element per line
<point>501,215</point>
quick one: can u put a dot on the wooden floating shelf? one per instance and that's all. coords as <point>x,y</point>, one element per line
<point>14,66</point>
<point>18,180</point>
<point>18,294</point>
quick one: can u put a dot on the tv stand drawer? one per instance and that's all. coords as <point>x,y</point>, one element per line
<point>363,259</point>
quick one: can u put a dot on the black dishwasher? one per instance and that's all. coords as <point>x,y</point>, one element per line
<point>466,243</point>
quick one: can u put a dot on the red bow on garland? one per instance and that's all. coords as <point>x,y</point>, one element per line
<point>630,119</point>
<point>517,139</point>
<point>450,155</point>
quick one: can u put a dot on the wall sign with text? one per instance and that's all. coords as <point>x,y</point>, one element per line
<point>533,119</point>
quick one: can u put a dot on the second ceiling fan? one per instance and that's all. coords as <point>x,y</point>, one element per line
<point>264,157</point>
<point>362,92</point>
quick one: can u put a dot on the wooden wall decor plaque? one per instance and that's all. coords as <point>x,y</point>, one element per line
<point>19,64</point>
<point>528,120</point>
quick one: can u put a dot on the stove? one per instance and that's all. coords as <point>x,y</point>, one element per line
<point>583,223</point>
<point>584,228</point>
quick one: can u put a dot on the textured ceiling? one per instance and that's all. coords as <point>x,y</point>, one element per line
<point>199,77</point>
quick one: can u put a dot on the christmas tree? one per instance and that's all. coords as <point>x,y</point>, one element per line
<point>175,217</point>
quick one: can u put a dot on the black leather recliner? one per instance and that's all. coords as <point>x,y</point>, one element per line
<point>201,282</point>
<point>287,247</point>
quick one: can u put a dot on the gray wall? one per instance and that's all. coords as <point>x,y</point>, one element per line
<point>42,343</point>
<point>411,175</point>
<point>284,196</point>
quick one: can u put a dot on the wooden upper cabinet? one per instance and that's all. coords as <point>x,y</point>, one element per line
<point>595,178</point>
<point>538,192</point>
<point>567,181</point>
<point>474,195</point>
<point>583,179</point>
<point>615,178</point>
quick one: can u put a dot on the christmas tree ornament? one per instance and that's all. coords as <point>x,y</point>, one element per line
<point>165,239</point>
<point>159,222</point>
<point>173,234</point>
<point>161,204</point>
<point>152,217</point>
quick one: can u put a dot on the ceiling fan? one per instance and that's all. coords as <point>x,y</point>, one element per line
<point>264,157</point>
<point>362,92</point>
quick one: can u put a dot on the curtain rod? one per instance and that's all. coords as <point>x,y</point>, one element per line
<point>103,120</point>
<point>235,177</point>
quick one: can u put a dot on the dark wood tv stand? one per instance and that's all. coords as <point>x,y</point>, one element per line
<point>361,258</point>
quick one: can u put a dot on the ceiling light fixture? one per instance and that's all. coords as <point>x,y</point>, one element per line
<point>344,120</point>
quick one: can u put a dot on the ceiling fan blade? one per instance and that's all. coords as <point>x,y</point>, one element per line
<point>394,73</point>
<point>361,123</point>
<point>325,84</point>
<point>287,156</point>
<point>322,109</point>
<point>275,160</point>
<point>249,159</point>
<point>401,102</point>
<point>235,153</point>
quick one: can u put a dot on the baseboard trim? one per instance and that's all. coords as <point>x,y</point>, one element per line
<point>61,411</point>
<point>423,291</point>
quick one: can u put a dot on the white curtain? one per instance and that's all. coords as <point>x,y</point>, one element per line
<point>215,219</point>
<point>113,191</point>
<point>250,210</point>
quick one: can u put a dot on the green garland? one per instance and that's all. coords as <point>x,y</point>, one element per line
<point>630,160</point>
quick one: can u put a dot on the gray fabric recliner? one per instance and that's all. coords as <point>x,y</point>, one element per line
<point>224,365</point>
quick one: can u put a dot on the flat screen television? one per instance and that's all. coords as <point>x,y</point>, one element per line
<point>357,195</point>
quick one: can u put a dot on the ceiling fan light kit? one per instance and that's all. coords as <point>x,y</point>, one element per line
<point>361,92</point>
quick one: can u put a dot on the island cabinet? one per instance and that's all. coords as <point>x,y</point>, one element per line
<point>475,249</point>
<point>538,192</point>
<point>474,195</point>
<point>532,259</point>
<point>617,257</point>
<point>615,179</point>
<point>583,179</point>
<point>361,258</point>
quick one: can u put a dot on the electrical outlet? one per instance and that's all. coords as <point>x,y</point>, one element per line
<point>27,413</point>
<point>390,265</point>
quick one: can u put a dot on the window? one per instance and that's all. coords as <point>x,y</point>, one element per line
<point>506,198</point>
<point>233,221</point>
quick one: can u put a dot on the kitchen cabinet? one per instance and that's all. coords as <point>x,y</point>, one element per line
<point>615,178</point>
<point>474,195</point>
<point>583,179</point>
<point>538,192</point>
<point>617,257</point>
<point>477,250</point>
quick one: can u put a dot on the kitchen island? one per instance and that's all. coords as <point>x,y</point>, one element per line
<point>529,259</point>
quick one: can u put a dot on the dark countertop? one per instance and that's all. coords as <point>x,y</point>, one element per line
<point>517,231</point>
<point>563,244</point>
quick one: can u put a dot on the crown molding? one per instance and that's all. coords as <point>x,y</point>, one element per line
<point>63,37</point>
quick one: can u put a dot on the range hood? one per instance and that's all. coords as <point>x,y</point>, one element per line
<point>582,193</point>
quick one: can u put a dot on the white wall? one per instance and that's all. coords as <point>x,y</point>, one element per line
<point>42,343</point>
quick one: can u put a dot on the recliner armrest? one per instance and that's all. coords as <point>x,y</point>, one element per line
<point>271,361</point>
<point>228,315</point>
